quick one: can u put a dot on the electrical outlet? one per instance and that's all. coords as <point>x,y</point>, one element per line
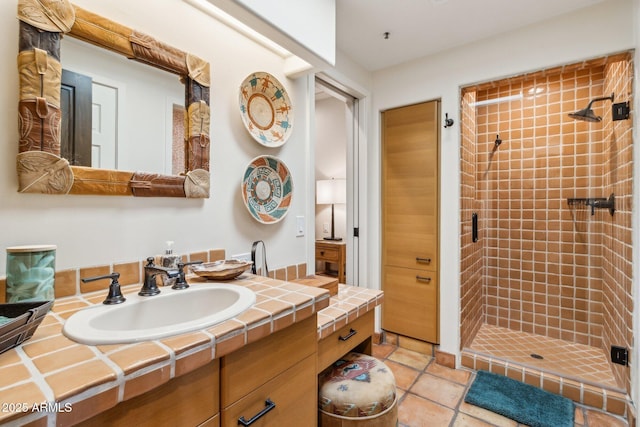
<point>620,111</point>
<point>325,228</point>
<point>242,257</point>
<point>619,355</point>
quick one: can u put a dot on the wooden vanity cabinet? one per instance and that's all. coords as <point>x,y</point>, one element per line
<point>355,335</point>
<point>189,400</point>
<point>292,395</point>
<point>211,422</point>
<point>278,371</point>
<point>280,368</point>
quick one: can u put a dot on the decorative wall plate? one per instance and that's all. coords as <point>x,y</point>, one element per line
<point>266,189</point>
<point>266,109</point>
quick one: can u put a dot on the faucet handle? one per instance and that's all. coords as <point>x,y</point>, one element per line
<point>115,294</point>
<point>181,281</point>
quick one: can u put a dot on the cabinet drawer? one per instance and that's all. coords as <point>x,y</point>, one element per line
<point>324,253</point>
<point>410,304</point>
<point>294,394</point>
<point>253,365</point>
<point>344,340</point>
<point>409,255</point>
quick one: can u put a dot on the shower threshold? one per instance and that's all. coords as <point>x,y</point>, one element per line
<point>579,372</point>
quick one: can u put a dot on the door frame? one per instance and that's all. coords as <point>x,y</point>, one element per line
<point>356,266</point>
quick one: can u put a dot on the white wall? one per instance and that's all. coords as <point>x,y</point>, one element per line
<point>317,35</point>
<point>94,230</point>
<point>604,28</point>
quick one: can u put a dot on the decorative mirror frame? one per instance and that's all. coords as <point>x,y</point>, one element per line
<point>39,165</point>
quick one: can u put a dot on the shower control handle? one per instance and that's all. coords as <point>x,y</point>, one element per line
<point>423,279</point>
<point>425,260</point>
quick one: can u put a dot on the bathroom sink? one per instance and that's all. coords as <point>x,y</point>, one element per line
<point>169,313</point>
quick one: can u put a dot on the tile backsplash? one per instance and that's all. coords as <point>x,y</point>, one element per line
<point>68,283</point>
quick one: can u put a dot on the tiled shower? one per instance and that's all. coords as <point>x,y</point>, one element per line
<point>546,285</point>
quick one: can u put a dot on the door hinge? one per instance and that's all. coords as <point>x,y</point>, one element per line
<point>356,232</point>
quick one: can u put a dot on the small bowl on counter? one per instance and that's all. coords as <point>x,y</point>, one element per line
<point>221,270</point>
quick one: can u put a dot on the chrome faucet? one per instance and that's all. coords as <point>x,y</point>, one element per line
<point>150,287</point>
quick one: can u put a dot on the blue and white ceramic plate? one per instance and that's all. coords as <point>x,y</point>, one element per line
<point>266,109</point>
<point>267,189</point>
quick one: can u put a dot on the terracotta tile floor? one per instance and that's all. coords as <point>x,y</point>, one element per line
<point>432,395</point>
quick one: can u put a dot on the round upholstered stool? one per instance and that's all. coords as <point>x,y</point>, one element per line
<point>357,390</point>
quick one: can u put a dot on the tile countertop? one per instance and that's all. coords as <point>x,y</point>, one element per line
<point>350,303</point>
<point>50,378</point>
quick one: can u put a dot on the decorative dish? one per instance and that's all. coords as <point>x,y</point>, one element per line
<point>18,321</point>
<point>221,270</point>
<point>266,109</point>
<point>267,188</point>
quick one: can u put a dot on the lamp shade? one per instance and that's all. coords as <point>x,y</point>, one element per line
<point>331,191</point>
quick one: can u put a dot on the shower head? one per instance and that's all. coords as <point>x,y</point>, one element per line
<point>587,114</point>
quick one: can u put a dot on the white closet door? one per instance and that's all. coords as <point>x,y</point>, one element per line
<point>104,127</point>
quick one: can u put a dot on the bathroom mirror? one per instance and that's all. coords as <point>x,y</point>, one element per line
<point>108,88</point>
<point>40,167</point>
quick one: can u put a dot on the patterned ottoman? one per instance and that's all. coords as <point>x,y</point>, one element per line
<point>357,390</point>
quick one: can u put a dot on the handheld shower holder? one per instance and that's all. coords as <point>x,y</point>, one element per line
<point>596,203</point>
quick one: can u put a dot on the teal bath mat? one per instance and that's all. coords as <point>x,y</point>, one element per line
<point>519,401</point>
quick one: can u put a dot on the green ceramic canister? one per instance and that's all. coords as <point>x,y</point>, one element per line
<point>31,273</point>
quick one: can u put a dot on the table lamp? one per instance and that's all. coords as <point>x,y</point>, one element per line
<point>330,192</point>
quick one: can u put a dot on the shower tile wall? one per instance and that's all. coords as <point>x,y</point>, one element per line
<point>541,265</point>
<point>472,291</point>
<point>616,231</point>
<point>542,258</point>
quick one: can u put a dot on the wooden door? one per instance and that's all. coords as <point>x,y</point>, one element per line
<point>75,126</point>
<point>410,205</point>
<point>88,131</point>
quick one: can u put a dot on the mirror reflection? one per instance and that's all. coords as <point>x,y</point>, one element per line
<point>120,114</point>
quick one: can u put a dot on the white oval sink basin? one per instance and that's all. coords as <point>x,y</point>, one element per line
<point>169,313</point>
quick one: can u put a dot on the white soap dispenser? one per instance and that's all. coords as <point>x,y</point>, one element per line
<point>169,260</point>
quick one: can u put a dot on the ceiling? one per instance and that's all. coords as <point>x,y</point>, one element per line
<point>418,28</point>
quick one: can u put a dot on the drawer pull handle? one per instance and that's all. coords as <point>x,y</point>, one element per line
<point>322,253</point>
<point>423,279</point>
<point>269,405</point>
<point>351,333</point>
<point>426,260</point>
